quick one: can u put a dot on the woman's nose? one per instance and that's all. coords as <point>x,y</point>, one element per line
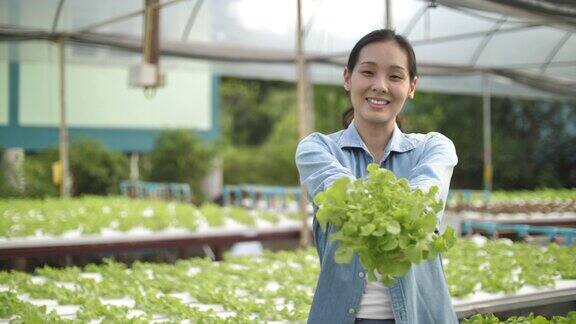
<point>380,85</point>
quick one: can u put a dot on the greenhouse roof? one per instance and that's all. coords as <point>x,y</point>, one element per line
<point>528,47</point>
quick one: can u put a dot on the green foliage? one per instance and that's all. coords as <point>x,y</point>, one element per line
<point>271,163</point>
<point>38,175</point>
<point>89,215</point>
<point>503,266</point>
<point>536,138</point>
<point>180,156</point>
<point>96,169</point>
<point>213,214</point>
<point>155,288</point>
<point>92,214</point>
<point>37,169</point>
<point>245,165</point>
<point>249,109</point>
<point>280,150</point>
<point>459,117</point>
<point>270,287</point>
<point>329,104</point>
<point>241,216</point>
<point>531,140</point>
<point>22,312</point>
<point>260,120</point>
<point>381,219</point>
<point>530,319</point>
<point>564,260</point>
<point>542,195</point>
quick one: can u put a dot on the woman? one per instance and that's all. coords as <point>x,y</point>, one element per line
<point>379,77</point>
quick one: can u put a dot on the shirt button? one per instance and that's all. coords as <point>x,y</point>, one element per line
<point>361,274</point>
<point>351,311</point>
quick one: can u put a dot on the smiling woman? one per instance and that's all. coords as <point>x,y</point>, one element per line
<point>378,85</point>
<point>379,77</point>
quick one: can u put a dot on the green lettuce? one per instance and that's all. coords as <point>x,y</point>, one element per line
<point>382,220</point>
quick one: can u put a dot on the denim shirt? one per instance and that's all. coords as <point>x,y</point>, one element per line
<point>419,297</point>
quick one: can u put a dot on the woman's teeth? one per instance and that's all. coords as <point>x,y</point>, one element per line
<point>378,101</point>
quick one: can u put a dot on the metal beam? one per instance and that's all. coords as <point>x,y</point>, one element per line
<point>208,51</point>
<point>305,114</point>
<point>561,14</point>
<point>63,146</point>
<point>57,16</point>
<point>388,15</point>
<point>414,20</point>
<point>191,20</point>
<point>151,51</point>
<point>306,29</point>
<point>476,14</point>
<point>120,18</point>
<point>487,127</point>
<point>470,35</point>
<point>427,23</point>
<point>486,40</point>
<point>555,51</point>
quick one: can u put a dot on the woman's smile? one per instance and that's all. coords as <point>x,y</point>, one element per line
<point>377,103</point>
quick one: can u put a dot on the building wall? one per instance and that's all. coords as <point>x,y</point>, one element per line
<point>99,97</point>
<point>100,103</point>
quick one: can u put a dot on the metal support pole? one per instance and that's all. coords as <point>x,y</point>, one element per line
<point>12,168</point>
<point>305,114</point>
<point>65,185</point>
<point>389,21</point>
<point>152,32</point>
<point>134,166</point>
<point>486,101</point>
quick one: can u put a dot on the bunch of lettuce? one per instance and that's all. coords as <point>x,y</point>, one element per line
<point>381,219</point>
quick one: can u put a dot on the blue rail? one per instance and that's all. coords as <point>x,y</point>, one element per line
<point>157,190</point>
<point>521,230</point>
<point>233,194</point>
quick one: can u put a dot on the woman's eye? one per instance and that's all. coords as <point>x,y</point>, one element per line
<point>368,73</point>
<point>396,77</point>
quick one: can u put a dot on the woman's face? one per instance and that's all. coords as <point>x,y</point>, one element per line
<point>379,83</point>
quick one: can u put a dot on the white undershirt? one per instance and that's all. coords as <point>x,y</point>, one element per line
<point>375,303</point>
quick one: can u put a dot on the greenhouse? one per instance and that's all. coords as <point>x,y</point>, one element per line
<point>289,161</point>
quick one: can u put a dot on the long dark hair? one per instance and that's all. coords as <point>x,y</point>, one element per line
<point>379,35</point>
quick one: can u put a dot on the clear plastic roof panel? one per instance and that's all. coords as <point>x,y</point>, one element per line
<point>524,47</point>
<point>568,50</point>
<point>458,52</point>
<point>19,13</point>
<point>431,23</point>
<point>566,73</point>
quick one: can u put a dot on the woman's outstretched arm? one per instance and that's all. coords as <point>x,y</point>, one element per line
<point>317,163</point>
<point>435,166</point>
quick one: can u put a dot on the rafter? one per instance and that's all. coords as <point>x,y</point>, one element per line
<point>57,15</point>
<point>191,20</point>
<point>486,40</point>
<point>117,19</point>
<point>555,51</point>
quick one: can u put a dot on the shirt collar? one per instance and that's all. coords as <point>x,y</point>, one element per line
<point>398,143</point>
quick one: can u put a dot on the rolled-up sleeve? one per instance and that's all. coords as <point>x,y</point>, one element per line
<point>317,164</point>
<point>435,166</point>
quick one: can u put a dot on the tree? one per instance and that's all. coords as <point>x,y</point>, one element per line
<point>180,156</point>
<point>96,169</point>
